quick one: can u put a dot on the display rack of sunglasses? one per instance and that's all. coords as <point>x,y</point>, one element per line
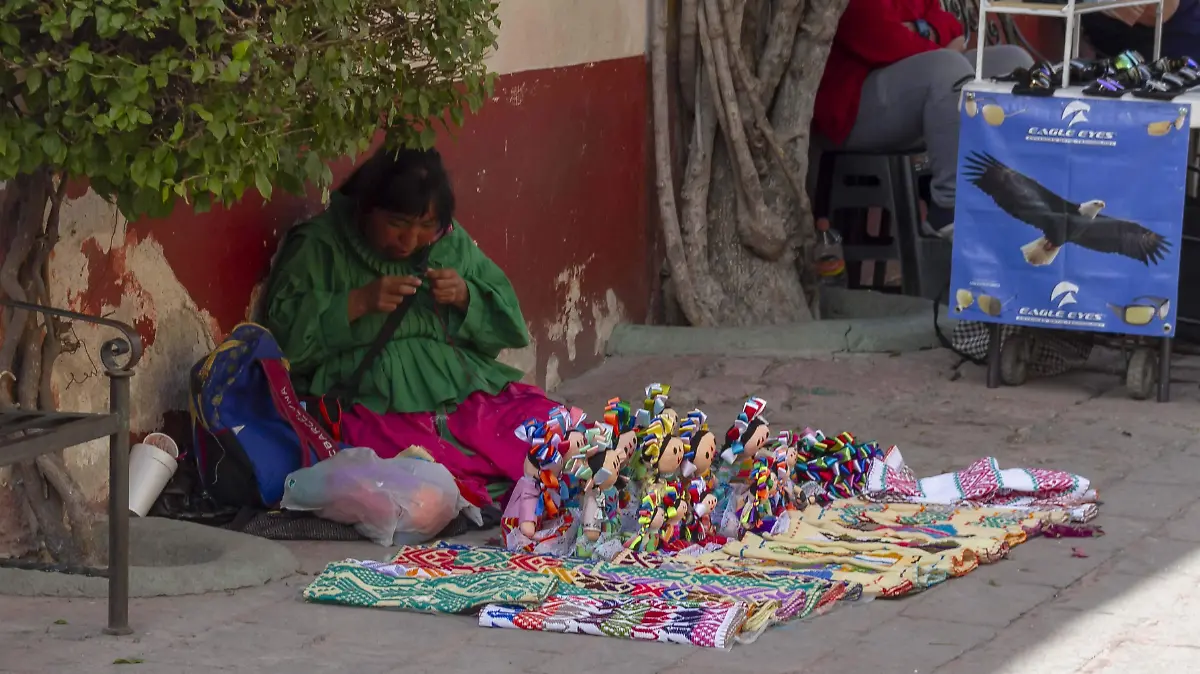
<point>1149,366</point>
<point>1190,98</point>
<point>1071,11</point>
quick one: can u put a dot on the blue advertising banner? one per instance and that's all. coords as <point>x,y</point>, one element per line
<point>1069,212</point>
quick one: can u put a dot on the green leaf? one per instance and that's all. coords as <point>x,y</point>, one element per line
<point>33,79</point>
<point>60,621</point>
<point>177,132</point>
<point>9,34</point>
<point>262,183</point>
<point>187,28</point>
<point>82,54</point>
<point>240,49</point>
<point>428,137</point>
<point>300,71</point>
<point>52,145</point>
<point>103,20</point>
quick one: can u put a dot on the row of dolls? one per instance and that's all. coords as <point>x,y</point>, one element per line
<point>643,479</point>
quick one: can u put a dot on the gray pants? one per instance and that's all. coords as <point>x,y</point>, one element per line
<point>917,99</point>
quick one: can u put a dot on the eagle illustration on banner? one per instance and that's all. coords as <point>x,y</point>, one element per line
<point>1061,221</point>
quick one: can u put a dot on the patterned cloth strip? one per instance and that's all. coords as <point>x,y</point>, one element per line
<point>351,583</point>
<point>707,624</point>
<point>890,549</point>
<point>983,483</point>
<point>770,597</point>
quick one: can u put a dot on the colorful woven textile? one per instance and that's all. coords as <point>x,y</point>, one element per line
<point>769,597</point>
<point>354,584</point>
<point>888,549</point>
<point>706,624</point>
<point>835,467</point>
<point>983,483</point>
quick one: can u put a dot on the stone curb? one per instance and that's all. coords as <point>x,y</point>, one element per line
<point>170,558</point>
<point>859,322</point>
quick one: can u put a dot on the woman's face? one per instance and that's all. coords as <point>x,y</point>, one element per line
<point>399,236</point>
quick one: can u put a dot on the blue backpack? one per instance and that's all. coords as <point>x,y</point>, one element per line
<point>249,428</point>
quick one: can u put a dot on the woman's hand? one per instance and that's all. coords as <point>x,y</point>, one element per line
<point>449,288</point>
<point>382,295</point>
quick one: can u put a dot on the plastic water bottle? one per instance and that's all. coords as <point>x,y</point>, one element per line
<point>830,256</point>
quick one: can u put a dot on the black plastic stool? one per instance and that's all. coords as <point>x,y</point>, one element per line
<point>862,180</point>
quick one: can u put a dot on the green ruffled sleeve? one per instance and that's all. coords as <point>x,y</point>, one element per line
<point>493,321</point>
<point>308,317</point>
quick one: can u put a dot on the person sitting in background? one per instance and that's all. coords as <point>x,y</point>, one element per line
<point>1115,30</point>
<point>437,383</point>
<point>892,81</point>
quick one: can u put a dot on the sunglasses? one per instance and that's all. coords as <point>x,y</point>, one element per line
<point>963,299</point>
<point>1128,59</point>
<point>1142,310</point>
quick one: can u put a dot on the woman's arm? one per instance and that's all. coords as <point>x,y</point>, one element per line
<point>310,321</point>
<point>493,320</point>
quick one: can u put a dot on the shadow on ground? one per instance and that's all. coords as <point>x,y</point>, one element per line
<point>1129,605</point>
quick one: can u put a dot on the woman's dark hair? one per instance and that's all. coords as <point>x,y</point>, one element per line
<point>404,182</point>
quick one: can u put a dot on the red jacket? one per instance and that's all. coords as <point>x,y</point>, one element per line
<point>871,35</point>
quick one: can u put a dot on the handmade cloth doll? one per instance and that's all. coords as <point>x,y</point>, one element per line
<point>570,424</point>
<point>661,457</point>
<point>699,526</point>
<point>675,510</point>
<point>761,506</point>
<point>749,432</point>
<point>651,518</point>
<point>700,448</point>
<point>534,519</point>
<point>598,469</point>
<point>785,460</point>
<point>619,416</point>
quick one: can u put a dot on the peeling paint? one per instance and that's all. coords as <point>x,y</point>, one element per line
<point>101,268</point>
<point>568,322</point>
<point>553,378</point>
<point>605,319</point>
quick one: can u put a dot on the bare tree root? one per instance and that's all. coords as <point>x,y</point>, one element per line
<point>55,510</point>
<point>681,276</point>
<point>739,248</point>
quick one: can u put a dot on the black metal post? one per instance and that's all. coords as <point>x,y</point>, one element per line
<point>118,507</point>
<point>1164,370</point>
<point>993,357</point>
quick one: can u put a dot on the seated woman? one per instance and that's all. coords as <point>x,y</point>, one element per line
<point>389,234</point>
<point>1115,30</point>
<point>892,81</point>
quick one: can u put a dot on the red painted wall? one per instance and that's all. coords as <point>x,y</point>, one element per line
<point>551,173</point>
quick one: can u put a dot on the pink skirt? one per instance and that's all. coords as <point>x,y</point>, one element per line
<point>484,424</point>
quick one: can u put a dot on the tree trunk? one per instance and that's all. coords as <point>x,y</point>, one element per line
<point>57,516</point>
<point>744,234</point>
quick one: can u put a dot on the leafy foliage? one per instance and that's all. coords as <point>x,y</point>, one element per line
<point>153,100</point>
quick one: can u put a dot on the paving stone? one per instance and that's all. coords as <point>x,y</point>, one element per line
<point>1009,651</point>
<point>905,645</point>
<point>977,599</point>
<point>1097,591</point>
<point>1155,502</point>
<point>1174,467</point>
<point>1156,557</point>
<point>1050,561</point>
<point>1186,527</point>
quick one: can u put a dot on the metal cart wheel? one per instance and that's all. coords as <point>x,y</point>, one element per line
<point>1014,359</point>
<point>1141,373</point>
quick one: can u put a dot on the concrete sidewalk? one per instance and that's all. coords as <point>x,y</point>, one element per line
<point>1129,605</point>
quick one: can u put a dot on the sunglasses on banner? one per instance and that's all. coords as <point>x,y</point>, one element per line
<point>1142,310</point>
<point>988,304</point>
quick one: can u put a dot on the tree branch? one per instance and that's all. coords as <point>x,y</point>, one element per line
<point>680,274</point>
<point>761,232</point>
<point>688,21</point>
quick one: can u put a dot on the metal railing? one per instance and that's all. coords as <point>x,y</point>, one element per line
<point>28,434</point>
